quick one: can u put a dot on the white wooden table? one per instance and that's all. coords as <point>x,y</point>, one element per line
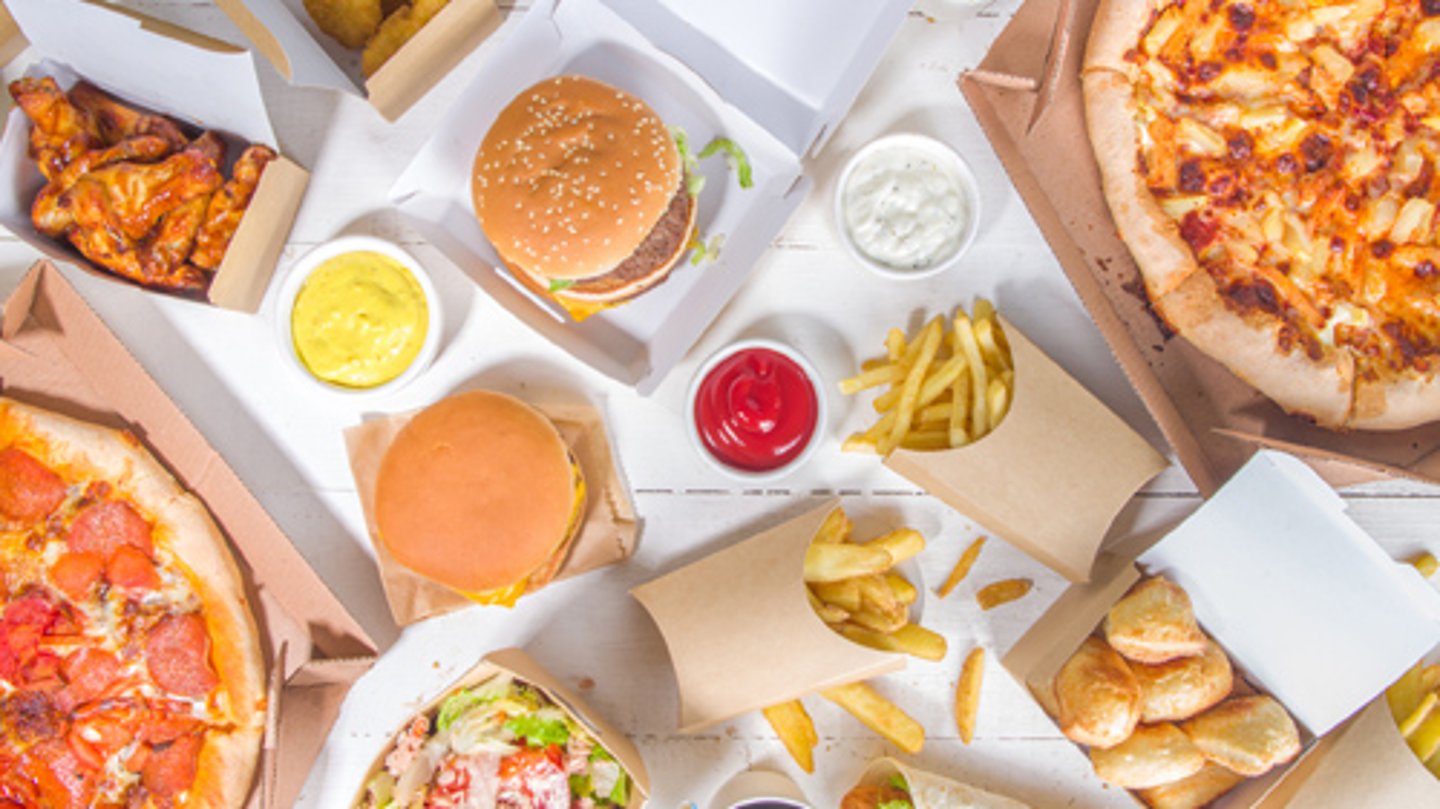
<point>284,440</point>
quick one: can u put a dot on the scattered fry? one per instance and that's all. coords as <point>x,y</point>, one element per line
<point>962,567</point>
<point>945,390</point>
<point>1426,563</point>
<point>1002,592</point>
<point>967,693</point>
<point>879,714</point>
<point>793,725</point>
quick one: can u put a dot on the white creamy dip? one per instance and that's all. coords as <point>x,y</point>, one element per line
<point>904,209</point>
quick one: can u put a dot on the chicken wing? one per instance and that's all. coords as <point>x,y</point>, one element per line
<point>140,220</point>
<point>50,218</point>
<point>61,131</point>
<point>228,206</point>
<point>117,121</point>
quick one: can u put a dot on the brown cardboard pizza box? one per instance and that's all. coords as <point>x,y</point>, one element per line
<point>57,354</point>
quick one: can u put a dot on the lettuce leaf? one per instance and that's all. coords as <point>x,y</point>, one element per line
<point>538,731</point>
<point>735,156</point>
<point>455,706</point>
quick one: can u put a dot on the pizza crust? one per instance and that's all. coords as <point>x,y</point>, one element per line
<point>1116,29</point>
<point>1165,259</point>
<point>1320,389</point>
<point>226,767</point>
<point>1395,404</point>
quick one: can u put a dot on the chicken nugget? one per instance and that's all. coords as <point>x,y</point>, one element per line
<point>1154,623</point>
<point>395,31</point>
<point>1194,792</point>
<point>1179,689</point>
<point>1097,696</point>
<point>1153,755</point>
<point>350,22</point>
<point>1247,735</point>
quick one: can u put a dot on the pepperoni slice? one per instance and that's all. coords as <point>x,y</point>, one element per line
<point>41,670</point>
<point>76,574</point>
<point>31,715</point>
<point>130,568</point>
<point>170,768</point>
<point>29,491</point>
<point>97,735</point>
<point>166,725</point>
<point>24,622</point>
<point>88,673</point>
<point>58,776</point>
<point>110,524</point>
<point>177,653</point>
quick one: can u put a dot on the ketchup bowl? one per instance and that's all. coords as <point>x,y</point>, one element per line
<point>755,411</point>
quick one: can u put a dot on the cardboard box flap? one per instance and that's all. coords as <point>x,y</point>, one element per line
<point>435,49</point>
<point>1263,561</point>
<point>309,703</point>
<point>1364,763</point>
<point>12,42</point>
<point>795,66</point>
<point>151,63</point>
<point>1058,445</point>
<point>273,29</point>
<point>707,614</point>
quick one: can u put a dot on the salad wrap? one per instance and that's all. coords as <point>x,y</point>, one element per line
<point>889,784</point>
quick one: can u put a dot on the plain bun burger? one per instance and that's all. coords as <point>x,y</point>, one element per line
<point>582,190</point>
<point>480,493</point>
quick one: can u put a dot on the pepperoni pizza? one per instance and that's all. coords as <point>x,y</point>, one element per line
<point>1271,166</point>
<point>130,667</point>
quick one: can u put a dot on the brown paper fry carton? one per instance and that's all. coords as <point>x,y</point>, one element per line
<point>56,353</point>
<point>1026,94</point>
<point>931,791</point>
<point>523,667</point>
<point>288,38</point>
<point>173,71</point>
<point>607,535</point>
<point>1287,585</point>
<point>707,613</point>
<point>1058,445</point>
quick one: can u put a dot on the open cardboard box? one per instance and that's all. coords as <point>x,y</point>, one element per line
<point>706,611</point>
<point>1058,445</point>
<point>1026,94</point>
<point>284,33</point>
<point>56,353</point>
<point>523,667</point>
<point>774,77</point>
<point>1286,583</point>
<point>169,70</point>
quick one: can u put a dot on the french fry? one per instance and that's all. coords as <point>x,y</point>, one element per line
<point>895,344</point>
<point>844,594</point>
<point>872,377</point>
<point>1425,740</point>
<point>901,544</point>
<point>859,442</point>
<point>1412,722</point>
<point>829,613</point>
<point>1002,592</point>
<point>885,621</point>
<point>836,561</point>
<point>997,400</point>
<point>938,413</point>
<point>926,441</point>
<point>905,409</point>
<point>1426,563</point>
<point>979,379</point>
<point>917,641</point>
<point>959,404</point>
<point>879,714</point>
<point>836,527</point>
<point>904,591</point>
<point>962,567</point>
<point>875,593</point>
<point>985,337</point>
<point>967,693</point>
<point>793,725</point>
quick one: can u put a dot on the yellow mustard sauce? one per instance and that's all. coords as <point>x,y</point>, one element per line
<point>359,320</point>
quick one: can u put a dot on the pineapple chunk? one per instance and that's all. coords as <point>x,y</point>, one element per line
<point>1381,216</point>
<point>1162,30</point>
<point>1263,117</point>
<point>1333,62</point>
<point>1361,163</point>
<point>1412,225</point>
<point>1200,138</point>
<point>1177,207</point>
<point>1284,138</point>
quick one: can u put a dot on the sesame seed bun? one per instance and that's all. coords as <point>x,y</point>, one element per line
<point>478,492</point>
<point>580,188</point>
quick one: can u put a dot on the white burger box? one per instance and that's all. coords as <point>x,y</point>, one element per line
<point>283,32</point>
<point>156,65</point>
<point>1309,608</point>
<point>707,613</point>
<point>775,77</point>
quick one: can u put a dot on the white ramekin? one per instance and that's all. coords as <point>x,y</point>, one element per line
<point>754,787</point>
<point>741,475</point>
<point>308,263</point>
<point>943,155</point>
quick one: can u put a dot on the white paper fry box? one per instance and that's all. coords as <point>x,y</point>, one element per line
<point>282,32</point>
<point>737,80</point>
<point>1314,610</point>
<point>166,69</point>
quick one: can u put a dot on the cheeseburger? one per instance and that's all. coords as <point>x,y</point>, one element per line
<point>480,493</point>
<point>582,191</point>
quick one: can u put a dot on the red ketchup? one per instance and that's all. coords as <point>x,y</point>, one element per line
<point>756,410</point>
